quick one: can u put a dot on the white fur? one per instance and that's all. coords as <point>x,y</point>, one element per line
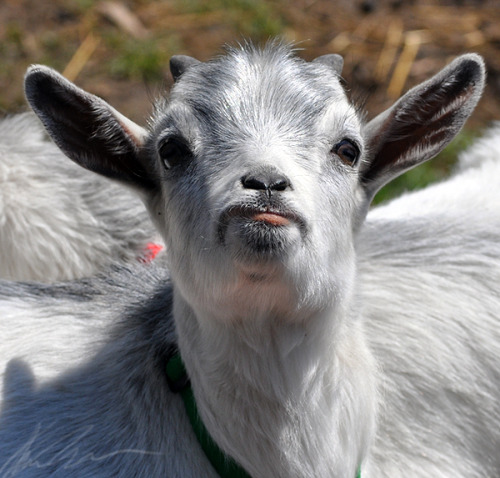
<point>429,265</point>
<point>57,221</point>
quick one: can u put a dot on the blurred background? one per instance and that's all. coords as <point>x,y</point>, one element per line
<point>119,50</point>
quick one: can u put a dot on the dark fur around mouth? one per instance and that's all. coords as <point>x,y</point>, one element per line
<point>246,211</point>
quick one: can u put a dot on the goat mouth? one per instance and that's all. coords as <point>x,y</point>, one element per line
<point>268,218</point>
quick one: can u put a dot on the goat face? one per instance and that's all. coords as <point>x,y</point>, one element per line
<point>258,162</point>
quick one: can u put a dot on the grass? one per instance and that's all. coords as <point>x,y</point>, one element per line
<point>256,19</point>
<point>139,59</point>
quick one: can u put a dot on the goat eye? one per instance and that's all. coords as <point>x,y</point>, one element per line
<point>347,151</point>
<point>173,151</point>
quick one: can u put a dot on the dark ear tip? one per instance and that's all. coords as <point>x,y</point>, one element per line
<point>472,59</point>
<point>32,79</point>
<point>36,78</point>
<point>36,71</point>
<point>472,68</point>
<point>32,75</point>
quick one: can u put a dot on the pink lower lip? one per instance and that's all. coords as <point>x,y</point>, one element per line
<point>271,218</point>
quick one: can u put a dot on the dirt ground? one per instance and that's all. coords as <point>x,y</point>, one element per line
<point>120,50</point>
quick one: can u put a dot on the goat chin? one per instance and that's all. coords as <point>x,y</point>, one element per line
<point>318,338</point>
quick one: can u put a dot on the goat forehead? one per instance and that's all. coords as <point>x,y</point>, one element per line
<point>260,93</point>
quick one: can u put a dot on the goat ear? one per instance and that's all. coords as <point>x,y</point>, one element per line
<point>87,129</point>
<point>180,63</point>
<point>332,60</point>
<point>421,123</point>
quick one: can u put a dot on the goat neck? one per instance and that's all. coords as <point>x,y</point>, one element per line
<point>283,398</point>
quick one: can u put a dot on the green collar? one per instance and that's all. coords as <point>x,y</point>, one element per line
<point>178,381</point>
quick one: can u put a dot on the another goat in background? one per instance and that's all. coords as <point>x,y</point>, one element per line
<point>58,221</point>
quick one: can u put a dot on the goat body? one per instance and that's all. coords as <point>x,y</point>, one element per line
<point>58,221</point>
<point>299,321</point>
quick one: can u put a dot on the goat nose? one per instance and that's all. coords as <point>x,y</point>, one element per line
<point>266,180</point>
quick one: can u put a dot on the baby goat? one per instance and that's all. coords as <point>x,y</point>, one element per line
<point>58,221</point>
<point>298,324</point>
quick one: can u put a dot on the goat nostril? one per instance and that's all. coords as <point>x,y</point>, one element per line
<point>280,184</point>
<point>265,182</point>
<point>251,182</point>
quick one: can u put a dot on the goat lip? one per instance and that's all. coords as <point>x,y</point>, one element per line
<point>270,216</point>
